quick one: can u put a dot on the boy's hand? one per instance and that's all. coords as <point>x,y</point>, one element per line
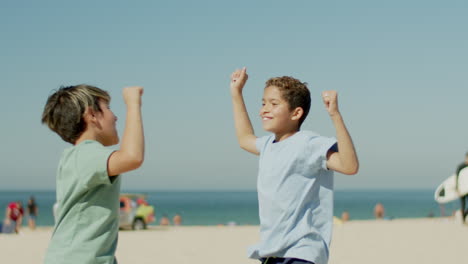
<point>238,79</point>
<point>132,95</point>
<point>330,99</point>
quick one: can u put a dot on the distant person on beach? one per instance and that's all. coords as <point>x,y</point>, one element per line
<point>13,217</point>
<point>345,216</point>
<point>88,181</point>
<point>164,221</point>
<point>177,220</point>
<point>32,212</point>
<point>463,199</point>
<point>379,211</point>
<point>295,178</point>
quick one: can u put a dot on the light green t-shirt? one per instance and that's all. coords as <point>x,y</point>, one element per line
<point>87,218</point>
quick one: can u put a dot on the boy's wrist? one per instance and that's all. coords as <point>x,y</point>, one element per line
<point>236,94</point>
<point>133,104</point>
<point>336,116</point>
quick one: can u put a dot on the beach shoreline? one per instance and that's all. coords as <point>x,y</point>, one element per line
<point>415,240</point>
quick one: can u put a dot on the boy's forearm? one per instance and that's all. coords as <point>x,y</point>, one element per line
<point>243,125</point>
<point>133,138</point>
<point>241,117</point>
<point>346,150</point>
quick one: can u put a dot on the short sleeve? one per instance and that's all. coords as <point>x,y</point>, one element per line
<point>93,159</point>
<point>333,148</point>
<point>322,145</point>
<point>261,142</point>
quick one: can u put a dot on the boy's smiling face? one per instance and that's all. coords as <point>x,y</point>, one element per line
<point>275,113</point>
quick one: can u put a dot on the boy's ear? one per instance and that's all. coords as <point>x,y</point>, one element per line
<point>89,115</point>
<point>297,113</point>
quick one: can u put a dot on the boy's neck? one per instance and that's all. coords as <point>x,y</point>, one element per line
<point>87,135</point>
<point>284,135</point>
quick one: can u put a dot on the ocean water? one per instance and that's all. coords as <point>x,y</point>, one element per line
<point>241,207</point>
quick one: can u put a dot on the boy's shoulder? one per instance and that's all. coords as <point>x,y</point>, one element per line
<point>302,134</point>
<point>84,165</point>
<point>85,146</point>
<point>308,134</point>
<point>88,151</point>
<point>314,136</point>
<point>299,137</point>
<point>303,140</point>
<point>313,142</point>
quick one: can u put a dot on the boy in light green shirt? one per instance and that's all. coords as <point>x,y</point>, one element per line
<point>88,181</point>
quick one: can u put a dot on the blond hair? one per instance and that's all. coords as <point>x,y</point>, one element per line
<point>65,108</point>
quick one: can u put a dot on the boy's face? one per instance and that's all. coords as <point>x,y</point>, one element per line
<point>275,113</point>
<point>108,135</point>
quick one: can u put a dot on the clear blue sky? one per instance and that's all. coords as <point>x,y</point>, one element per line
<point>400,69</point>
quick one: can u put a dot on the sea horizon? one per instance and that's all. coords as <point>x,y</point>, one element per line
<point>240,207</point>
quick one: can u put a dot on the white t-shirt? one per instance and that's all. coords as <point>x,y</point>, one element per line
<point>295,195</point>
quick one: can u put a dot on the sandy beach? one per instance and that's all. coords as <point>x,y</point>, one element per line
<point>438,240</point>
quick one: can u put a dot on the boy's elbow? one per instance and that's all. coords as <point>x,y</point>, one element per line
<point>243,146</point>
<point>352,170</point>
<point>135,161</point>
<point>241,143</point>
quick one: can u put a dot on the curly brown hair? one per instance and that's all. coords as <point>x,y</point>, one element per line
<point>63,112</point>
<point>294,92</point>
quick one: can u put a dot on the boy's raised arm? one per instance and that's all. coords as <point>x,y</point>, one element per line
<point>345,160</point>
<point>244,131</point>
<point>132,150</point>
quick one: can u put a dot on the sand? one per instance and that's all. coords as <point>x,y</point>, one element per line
<point>438,240</point>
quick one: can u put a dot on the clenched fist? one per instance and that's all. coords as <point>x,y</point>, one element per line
<point>132,95</point>
<point>330,99</point>
<point>238,80</point>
